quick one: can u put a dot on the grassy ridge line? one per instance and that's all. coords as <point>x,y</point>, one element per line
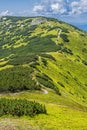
<point>62,65</point>
<point>40,39</point>
<point>63,75</point>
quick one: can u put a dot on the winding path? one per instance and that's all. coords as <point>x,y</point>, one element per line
<point>42,86</point>
<point>59,33</point>
<point>44,91</point>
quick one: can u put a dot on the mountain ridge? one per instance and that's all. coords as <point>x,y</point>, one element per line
<point>41,55</point>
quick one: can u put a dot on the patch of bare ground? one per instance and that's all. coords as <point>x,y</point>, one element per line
<point>8,127</point>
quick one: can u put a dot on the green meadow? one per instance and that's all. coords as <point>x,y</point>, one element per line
<point>44,60</point>
<point>62,114</point>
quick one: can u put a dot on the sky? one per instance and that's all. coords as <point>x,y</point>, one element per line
<point>71,11</point>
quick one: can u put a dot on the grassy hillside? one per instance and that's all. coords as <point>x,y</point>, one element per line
<point>45,60</point>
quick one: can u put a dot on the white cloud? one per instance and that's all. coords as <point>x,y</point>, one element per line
<point>5,13</point>
<point>72,11</point>
<point>51,7</point>
<point>58,8</point>
<point>64,7</point>
<point>38,8</point>
<point>55,6</point>
<point>78,7</point>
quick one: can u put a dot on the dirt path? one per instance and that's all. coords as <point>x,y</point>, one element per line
<point>59,33</point>
<point>44,91</point>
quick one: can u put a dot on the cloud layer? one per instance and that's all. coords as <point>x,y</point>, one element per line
<point>79,7</point>
<point>61,7</point>
<point>71,11</point>
<point>54,7</point>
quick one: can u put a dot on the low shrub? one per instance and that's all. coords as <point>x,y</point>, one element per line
<point>19,107</point>
<point>65,30</point>
<point>17,79</point>
<point>66,50</point>
<point>44,62</point>
<point>61,84</point>
<point>48,56</point>
<point>84,50</point>
<point>84,62</point>
<point>47,82</point>
<point>18,60</point>
<point>64,37</point>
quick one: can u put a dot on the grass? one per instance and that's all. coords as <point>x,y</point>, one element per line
<point>64,63</point>
<point>73,82</point>
<point>59,116</point>
<point>6,67</point>
<point>62,120</point>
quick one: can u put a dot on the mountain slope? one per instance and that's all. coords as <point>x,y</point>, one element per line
<point>45,60</point>
<point>55,50</point>
<point>43,54</point>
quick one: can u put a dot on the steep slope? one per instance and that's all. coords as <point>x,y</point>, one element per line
<point>44,60</point>
<point>43,52</point>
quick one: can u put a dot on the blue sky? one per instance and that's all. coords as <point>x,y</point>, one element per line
<point>71,11</point>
